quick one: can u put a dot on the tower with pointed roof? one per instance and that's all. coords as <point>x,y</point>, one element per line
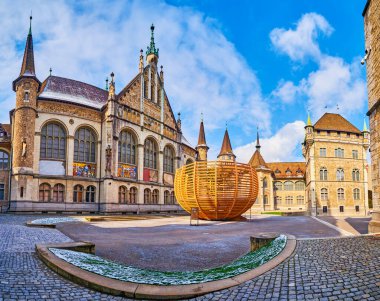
<point>202,147</point>
<point>226,153</point>
<point>26,87</point>
<point>152,51</point>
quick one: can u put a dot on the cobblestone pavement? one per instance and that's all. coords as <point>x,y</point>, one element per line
<point>326,269</point>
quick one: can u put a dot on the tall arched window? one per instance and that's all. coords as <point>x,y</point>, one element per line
<point>150,154</point>
<point>123,193</point>
<point>356,194</point>
<point>127,148</point>
<point>45,192</point>
<point>323,174</point>
<point>78,194</point>
<point>266,200</point>
<point>277,186</point>
<point>133,195</point>
<point>85,145</point>
<point>4,160</point>
<point>172,198</point>
<point>90,194</point>
<point>340,174</point>
<point>166,197</point>
<point>355,174</point>
<point>168,159</point>
<point>340,194</point>
<point>155,196</point>
<point>324,194</point>
<point>300,185</point>
<point>58,193</point>
<point>147,196</point>
<point>288,186</point>
<point>265,183</point>
<point>53,142</point>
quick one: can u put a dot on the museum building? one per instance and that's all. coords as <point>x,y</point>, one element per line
<point>75,147</point>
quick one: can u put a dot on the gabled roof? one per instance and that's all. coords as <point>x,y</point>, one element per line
<point>226,146</point>
<point>72,91</point>
<point>288,169</point>
<point>335,122</point>
<point>257,160</point>
<point>6,128</point>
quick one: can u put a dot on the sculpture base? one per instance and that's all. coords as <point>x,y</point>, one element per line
<point>374,224</point>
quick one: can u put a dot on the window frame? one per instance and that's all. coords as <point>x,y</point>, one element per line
<point>127,148</point>
<point>86,137</point>
<point>57,142</point>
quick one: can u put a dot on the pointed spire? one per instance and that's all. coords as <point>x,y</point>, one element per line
<point>50,71</point>
<point>141,63</point>
<point>27,67</point>
<point>179,122</point>
<point>308,120</point>
<point>365,129</point>
<point>201,136</point>
<point>226,146</point>
<point>106,83</point>
<point>30,23</point>
<point>202,147</point>
<point>151,49</point>
<point>258,146</point>
<point>111,89</point>
<point>162,74</point>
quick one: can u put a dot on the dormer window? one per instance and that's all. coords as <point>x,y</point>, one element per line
<point>26,96</point>
<point>277,171</point>
<point>288,172</point>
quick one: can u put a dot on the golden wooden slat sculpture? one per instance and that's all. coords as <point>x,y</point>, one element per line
<point>221,190</point>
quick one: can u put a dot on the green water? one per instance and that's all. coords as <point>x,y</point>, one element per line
<point>110,269</point>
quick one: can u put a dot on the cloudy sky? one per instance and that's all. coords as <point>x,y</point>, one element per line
<point>245,63</point>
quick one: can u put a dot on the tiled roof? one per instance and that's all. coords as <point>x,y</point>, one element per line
<point>257,160</point>
<point>288,169</point>
<point>201,136</point>
<point>226,146</point>
<point>6,128</point>
<point>69,90</point>
<point>335,122</point>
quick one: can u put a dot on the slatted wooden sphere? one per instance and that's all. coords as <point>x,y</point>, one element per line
<point>221,190</point>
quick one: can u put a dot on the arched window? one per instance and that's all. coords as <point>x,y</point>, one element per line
<point>90,194</point>
<point>168,159</point>
<point>78,194</point>
<point>300,185</point>
<point>324,194</point>
<point>127,148</point>
<point>340,194</point>
<point>45,192</point>
<point>266,201</point>
<point>355,174</point>
<point>123,193</point>
<point>339,152</point>
<point>166,197</point>
<point>265,183</point>
<point>58,193</point>
<point>277,186</point>
<point>4,160</point>
<point>133,195</point>
<point>300,200</point>
<point>147,196</point>
<point>155,196</point>
<point>189,161</point>
<point>172,198</point>
<point>85,145</point>
<point>340,174</point>
<point>289,200</point>
<point>356,194</point>
<point>53,142</point>
<point>150,154</point>
<point>323,174</point>
<point>288,186</point>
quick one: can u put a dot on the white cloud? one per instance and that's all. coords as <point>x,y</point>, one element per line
<point>301,42</point>
<point>284,145</point>
<point>87,42</point>
<point>286,91</point>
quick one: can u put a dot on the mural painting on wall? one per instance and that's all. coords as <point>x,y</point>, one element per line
<point>84,170</point>
<point>127,171</point>
<point>168,178</point>
<point>150,175</point>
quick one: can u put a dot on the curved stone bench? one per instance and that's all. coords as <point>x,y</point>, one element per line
<point>147,291</point>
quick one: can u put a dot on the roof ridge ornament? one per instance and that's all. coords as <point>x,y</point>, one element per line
<point>151,49</point>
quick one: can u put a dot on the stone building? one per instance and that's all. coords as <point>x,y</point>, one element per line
<point>77,147</point>
<point>371,14</point>
<point>332,181</point>
<point>5,150</point>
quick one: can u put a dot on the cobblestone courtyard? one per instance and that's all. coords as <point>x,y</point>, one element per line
<point>320,269</point>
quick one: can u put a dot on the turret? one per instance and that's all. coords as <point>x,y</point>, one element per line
<point>226,153</point>
<point>202,147</point>
<point>152,51</point>
<point>309,131</point>
<point>26,87</point>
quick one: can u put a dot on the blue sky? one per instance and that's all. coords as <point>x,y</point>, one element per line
<point>247,63</point>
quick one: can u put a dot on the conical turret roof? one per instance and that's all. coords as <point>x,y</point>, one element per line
<point>226,146</point>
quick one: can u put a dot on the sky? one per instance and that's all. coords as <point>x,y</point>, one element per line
<point>244,64</point>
